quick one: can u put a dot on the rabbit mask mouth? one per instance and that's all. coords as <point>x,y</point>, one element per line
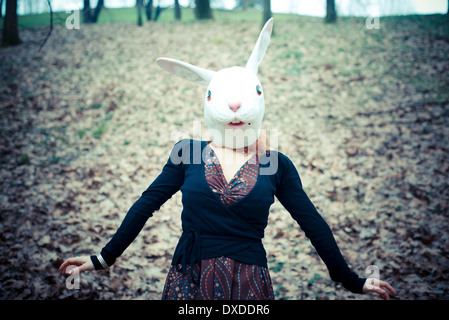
<point>236,124</point>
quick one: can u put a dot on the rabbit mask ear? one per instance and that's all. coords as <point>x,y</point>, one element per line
<point>185,70</point>
<point>260,48</point>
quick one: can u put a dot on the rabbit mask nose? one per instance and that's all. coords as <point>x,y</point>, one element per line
<point>234,106</point>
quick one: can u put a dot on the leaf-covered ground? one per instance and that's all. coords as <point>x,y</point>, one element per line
<point>87,123</point>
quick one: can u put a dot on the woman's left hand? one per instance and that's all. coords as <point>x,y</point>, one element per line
<point>381,287</point>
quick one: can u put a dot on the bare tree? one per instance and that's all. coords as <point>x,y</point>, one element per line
<point>158,11</point>
<point>266,11</point>
<point>177,10</point>
<point>203,10</point>
<point>242,4</point>
<point>51,26</point>
<point>245,4</point>
<point>149,9</point>
<point>10,25</point>
<point>86,11</point>
<point>88,15</point>
<point>139,5</point>
<point>97,10</point>
<point>331,13</point>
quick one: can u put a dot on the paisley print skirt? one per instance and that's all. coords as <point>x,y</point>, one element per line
<point>219,279</point>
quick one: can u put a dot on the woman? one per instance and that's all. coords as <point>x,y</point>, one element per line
<point>224,247</point>
<point>228,185</point>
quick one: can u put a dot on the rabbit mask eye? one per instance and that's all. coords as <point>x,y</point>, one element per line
<point>209,95</point>
<point>259,90</point>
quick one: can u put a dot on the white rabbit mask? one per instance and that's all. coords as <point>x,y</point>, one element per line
<point>234,102</point>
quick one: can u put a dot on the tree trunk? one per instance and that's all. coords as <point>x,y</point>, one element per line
<point>177,10</point>
<point>149,9</point>
<point>1,9</point>
<point>86,11</point>
<point>266,11</point>
<point>139,4</point>
<point>88,16</point>
<point>158,11</point>
<point>94,17</point>
<point>203,10</point>
<point>10,25</point>
<point>51,25</point>
<point>331,13</point>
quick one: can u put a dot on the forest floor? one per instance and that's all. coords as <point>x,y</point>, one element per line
<point>88,122</point>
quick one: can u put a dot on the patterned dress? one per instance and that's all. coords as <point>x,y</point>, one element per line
<point>222,278</point>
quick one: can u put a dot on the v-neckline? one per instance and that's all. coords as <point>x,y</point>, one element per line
<point>220,168</point>
<point>215,195</point>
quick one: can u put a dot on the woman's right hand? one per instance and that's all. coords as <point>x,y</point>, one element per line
<point>83,264</point>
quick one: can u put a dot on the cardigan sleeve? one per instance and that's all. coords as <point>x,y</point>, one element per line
<point>161,189</point>
<point>293,197</point>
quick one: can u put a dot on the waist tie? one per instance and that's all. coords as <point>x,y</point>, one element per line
<point>190,249</point>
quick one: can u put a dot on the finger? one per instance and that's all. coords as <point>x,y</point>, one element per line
<point>64,265</point>
<point>71,261</point>
<point>71,269</point>
<point>382,293</point>
<point>389,287</point>
<point>385,295</point>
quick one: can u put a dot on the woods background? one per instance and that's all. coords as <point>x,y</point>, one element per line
<point>87,121</point>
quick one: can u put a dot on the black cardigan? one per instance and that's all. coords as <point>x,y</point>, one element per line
<point>211,229</point>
